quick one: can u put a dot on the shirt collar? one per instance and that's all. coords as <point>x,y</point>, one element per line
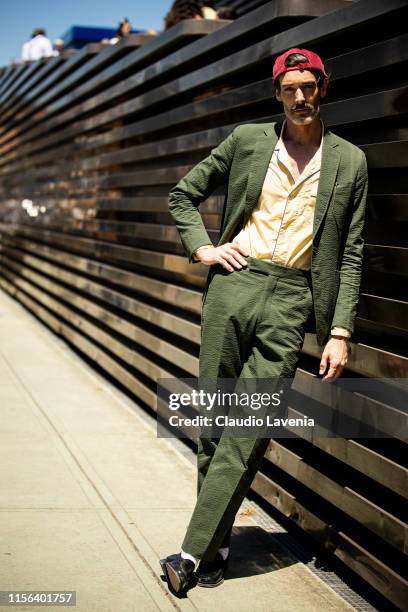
<point>280,141</point>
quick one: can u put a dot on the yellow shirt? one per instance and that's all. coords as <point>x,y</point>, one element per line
<point>280,228</point>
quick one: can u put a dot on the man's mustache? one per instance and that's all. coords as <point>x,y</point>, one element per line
<point>302,107</point>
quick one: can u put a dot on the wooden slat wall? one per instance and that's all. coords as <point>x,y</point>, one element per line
<point>90,145</point>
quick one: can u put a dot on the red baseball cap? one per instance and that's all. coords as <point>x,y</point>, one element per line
<point>313,63</point>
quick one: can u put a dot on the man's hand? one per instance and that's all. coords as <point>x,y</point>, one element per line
<point>229,255</point>
<point>335,356</point>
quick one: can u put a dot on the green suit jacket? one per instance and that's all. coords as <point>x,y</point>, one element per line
<point>240,162</point>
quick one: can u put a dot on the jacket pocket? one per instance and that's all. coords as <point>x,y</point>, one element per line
<point>340,202</point>
<point>338,216</point>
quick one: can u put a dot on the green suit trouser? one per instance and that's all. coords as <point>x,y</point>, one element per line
<point>253,326</point>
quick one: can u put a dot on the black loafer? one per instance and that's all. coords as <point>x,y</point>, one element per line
<point>211,573</point>
<point>168,558</point>
<point>179,573</point>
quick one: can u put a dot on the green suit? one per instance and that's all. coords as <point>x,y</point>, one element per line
<point>240,162</point>
<point>254,319</point>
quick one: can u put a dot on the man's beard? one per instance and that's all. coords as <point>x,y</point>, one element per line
<point>306,118</point>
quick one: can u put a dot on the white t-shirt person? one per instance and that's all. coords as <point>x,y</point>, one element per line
<point>36,48</point>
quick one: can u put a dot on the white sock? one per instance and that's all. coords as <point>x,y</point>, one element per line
<point>185,555</point>
<point>224,552</point>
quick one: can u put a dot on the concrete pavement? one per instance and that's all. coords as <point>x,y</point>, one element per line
<point>91,499</point>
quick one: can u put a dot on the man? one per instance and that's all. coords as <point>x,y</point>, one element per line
<point>124,29</point>
<point>38,47</point>
<point>289,257</point>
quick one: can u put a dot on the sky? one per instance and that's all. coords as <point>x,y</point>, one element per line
<point>19,17</point>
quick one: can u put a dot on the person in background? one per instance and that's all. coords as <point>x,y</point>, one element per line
<point>227,12</point>
<point>124,29</point>
<point>58,46</point>
<point>39,46</point>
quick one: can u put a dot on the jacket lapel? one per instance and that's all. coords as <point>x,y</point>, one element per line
<point>328,172</point>
<point>260,159</point>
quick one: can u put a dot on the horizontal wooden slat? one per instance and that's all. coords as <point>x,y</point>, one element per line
<point>387,581</point>
<point>91,145</point>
